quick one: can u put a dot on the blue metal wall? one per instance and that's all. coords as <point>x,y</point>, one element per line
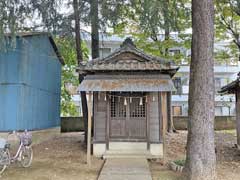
<point>30,85</point>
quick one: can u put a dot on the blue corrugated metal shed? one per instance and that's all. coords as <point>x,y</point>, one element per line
<point>30,83</point>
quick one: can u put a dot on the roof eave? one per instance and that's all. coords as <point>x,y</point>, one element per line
<point>56,49</point>
<point>230,88</point>
<point>27,34</point>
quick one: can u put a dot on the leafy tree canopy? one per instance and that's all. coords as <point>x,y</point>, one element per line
<point>228,28</point>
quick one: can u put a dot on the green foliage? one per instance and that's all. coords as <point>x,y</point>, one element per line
<point>151,22</point>
<point>228,28</point>
<point>67,49</point>
<point>180,162</point>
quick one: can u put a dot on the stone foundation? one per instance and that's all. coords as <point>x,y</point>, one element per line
<point>155,151</point>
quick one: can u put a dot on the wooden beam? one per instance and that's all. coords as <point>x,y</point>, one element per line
<point>89,129</point>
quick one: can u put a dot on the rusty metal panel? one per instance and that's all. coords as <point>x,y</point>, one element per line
<point>134,83</point>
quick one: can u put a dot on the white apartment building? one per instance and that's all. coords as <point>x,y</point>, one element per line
<point>224,105</point>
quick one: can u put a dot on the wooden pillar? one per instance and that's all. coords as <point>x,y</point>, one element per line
<point>148,121</point>
<point>160,117</point>
<point>164,122</point>
<point>169,111</point>
<point>238,116</point>
<point>89,129</point>
<point>108,122</point>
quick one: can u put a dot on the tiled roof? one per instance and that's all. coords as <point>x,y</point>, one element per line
<point>231,87</point>
<point>126,83</point>
<point>127,58</point>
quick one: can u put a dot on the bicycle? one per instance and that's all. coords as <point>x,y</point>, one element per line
<point>24,153</point>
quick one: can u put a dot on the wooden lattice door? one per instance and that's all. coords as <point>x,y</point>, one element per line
<point>128,118</point>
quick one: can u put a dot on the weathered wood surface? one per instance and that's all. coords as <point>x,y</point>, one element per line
<point>154,117</point>
<point>164,122</point>
<point>89,132</point>
<point>100,117</point>
<point>129,120</point>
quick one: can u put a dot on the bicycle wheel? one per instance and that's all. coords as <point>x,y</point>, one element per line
<point>4,159</point>
<point>26,156</point>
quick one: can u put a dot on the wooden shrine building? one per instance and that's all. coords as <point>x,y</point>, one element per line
<point>130,110</point>
<point>234,88</point>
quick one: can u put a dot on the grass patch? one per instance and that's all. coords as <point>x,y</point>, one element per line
<point>180,162</point>
<point>231,131</point>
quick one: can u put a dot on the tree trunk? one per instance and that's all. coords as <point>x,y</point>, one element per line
<point>95,28</point>
<point>166,24</point>
<point>238,116</point>
<point>79,60</point>
<point>166,38</point>
<point>201,158</point>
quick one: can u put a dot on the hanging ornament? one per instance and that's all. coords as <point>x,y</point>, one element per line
<point>119,99</point>
<point>105,97</point>
<point>141,101</point>
<point>153,98</point>
<point>99,96</point>
<point>146,99</point>
<point>130,99</point>
<point>125,101</point>
<point>113,98</point>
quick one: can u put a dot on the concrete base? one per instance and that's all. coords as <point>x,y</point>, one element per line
<point>99,149</point>
<point>123,149</point>
<point>128,146</point>
<point>156,150</point>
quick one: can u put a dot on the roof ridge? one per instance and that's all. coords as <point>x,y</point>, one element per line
<point>129,46</point>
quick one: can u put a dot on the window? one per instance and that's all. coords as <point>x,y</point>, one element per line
<point>137,110</point>
<point>218,110</point>
<point>226,111</point>
<point>118,109</point>
<point>104,51</point>
<point>177,110</point>
<point>185,89</point>
<point>174,51</point>
<point>222,111</point>
<point>178,85</point>
<point>217,84</point>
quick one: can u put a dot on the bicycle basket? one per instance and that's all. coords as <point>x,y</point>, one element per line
<point>26,139</point>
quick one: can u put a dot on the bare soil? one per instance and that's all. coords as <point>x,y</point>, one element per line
<point>62,157</point>
<point>228,157</point>
<point>56,157</point>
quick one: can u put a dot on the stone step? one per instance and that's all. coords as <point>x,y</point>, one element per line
<point>128,146</point>
<point>125,169</point>
<point>127,154</point>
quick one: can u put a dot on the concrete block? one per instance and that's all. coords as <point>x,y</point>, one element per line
<point>99,149</point>
<point>134,146</point>
<point>156,149</point>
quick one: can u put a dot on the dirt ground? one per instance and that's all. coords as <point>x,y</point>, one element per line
<point>62,157</point>
<point>228,158</point>
<point>56,157</point>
